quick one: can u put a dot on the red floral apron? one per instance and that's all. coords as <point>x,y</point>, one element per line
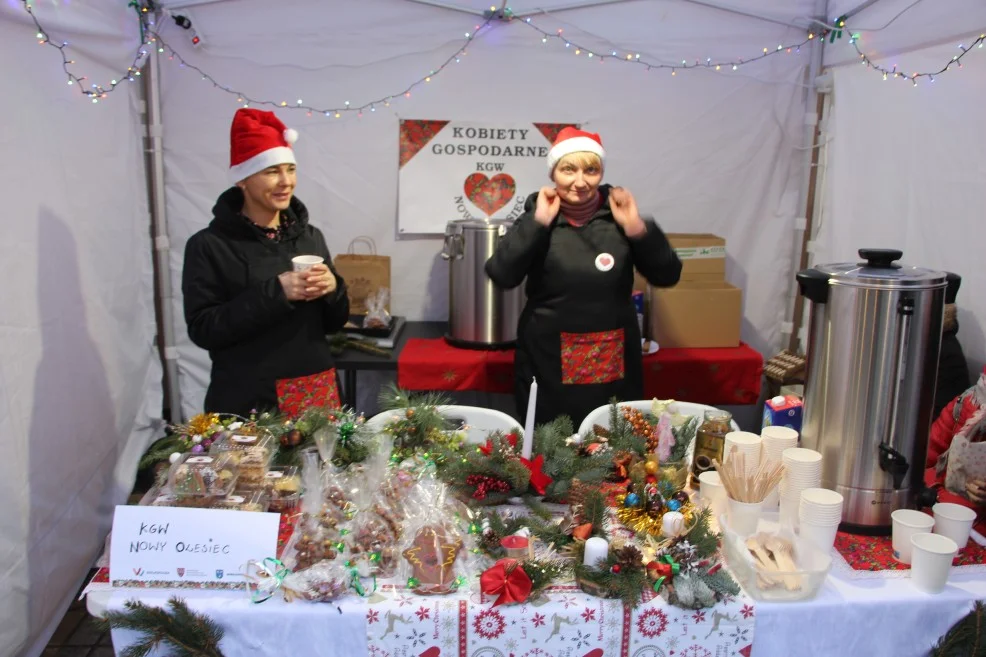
<point>596,357</point>
<point>319,390</point>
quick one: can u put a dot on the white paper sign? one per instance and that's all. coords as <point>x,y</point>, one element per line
<point>462,170</point>
<point>167,547</point>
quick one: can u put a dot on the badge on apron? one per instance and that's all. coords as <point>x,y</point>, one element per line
<point>604,262</point>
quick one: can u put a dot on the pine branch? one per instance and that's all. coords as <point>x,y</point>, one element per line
<point>965,638</point>
<point>542,574</point>
<point>187,633</point>
<point>684,435</point>
<point>705,540</point>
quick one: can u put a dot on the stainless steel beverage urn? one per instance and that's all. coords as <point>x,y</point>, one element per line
<point>873,346</point>
<point>481,315</point>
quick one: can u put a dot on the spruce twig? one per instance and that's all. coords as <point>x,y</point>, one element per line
<point>965,638</point>
<point>187,633</point>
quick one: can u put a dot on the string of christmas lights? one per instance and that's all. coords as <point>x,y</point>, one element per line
<point>335,112</point>
<point>635,58</point>
<point>892,72</point>
<point>149,39</point>
<point>92,90</point>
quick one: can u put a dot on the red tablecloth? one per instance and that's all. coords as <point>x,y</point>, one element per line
<point>704,376</point>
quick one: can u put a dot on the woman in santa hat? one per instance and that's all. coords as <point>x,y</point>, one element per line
<point>577,244</point>
<point>263,324</point>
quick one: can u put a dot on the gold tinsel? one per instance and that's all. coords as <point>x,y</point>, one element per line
<point>201,423</point>
<point>642,522</point>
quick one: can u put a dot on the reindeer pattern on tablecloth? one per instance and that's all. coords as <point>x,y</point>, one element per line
<point>393,618</point>
<point>557,621</point>
<point>718,617</point>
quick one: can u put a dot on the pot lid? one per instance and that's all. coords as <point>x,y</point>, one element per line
<point>459,225</point>
<point>880,269</point>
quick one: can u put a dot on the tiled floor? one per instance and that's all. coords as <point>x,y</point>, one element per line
<point>77,635</point>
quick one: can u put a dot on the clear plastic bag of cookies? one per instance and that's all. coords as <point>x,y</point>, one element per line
<point>318,532</point>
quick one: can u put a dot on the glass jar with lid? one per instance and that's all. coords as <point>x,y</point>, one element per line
<point>709,442</point>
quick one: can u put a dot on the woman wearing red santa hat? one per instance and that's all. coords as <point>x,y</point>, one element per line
<point>577,244</point>
<point>263,324</point>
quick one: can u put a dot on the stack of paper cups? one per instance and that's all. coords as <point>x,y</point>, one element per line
<point>819,516</point>
<point>775,441</point>
<point>745,443</point>
<point>802,470</point>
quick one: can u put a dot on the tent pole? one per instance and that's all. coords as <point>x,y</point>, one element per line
<point>739,12</point>
<point>806,191</point>
<point>162,247</point>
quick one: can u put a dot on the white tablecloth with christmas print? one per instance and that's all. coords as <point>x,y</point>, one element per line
<point>392,622</point>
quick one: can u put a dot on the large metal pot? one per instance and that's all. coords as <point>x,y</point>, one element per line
<point>873,347</point>
<point>481,315</point>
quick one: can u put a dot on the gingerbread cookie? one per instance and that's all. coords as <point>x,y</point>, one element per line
<point>432,557</point>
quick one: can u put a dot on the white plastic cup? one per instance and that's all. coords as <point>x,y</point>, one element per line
<point>821,536</point>
<point>744,516</point>
<point>712,492</point>
<point>303,262</point>
<point>954,521</point>
<point>907,523</point>
<point>931,561</point>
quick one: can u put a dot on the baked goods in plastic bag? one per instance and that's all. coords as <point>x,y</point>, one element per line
<point>317,535</point>
<point>377,316</point>
<point>435,551</point>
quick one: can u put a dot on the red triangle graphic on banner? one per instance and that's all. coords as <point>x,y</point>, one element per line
<point>415,135</point>
<point>551,130</point>
<point>746,651</point>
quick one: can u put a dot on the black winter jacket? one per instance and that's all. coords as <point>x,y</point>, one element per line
<point>236,308</point>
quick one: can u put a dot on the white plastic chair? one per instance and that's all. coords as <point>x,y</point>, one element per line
<point>480,421</point>
<point>600,416</point>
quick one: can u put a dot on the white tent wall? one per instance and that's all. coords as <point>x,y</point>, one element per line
<point>79,376</point>
<point>702,151</point>
<point>905,171</point>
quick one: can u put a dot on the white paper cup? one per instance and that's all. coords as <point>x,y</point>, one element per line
<point>907,523</point>
<point>780,435</point>
<point>954,521</point>
<point>712,492</point>
<point>931,561</point>
<point>822,536</point>
<point>744,516</point>
<point>303,262</point>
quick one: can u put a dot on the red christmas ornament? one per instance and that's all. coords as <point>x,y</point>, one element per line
<point>616,569</point>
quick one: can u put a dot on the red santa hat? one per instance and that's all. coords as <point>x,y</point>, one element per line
<point>257,140</point>
<point>572,140</point>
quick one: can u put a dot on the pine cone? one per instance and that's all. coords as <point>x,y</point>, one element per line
<point>630,557</point>
<point>600,431</point>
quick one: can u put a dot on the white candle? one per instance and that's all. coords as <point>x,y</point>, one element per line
<point>596,549</point>
<point>529,425</point>
<point>672,524</point>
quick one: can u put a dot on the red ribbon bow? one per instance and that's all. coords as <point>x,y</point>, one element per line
<point>507,580</point>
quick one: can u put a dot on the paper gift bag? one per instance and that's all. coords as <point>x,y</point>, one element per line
<point>364,273</point>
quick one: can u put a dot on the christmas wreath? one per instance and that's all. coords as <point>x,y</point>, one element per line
<point>491,473</point>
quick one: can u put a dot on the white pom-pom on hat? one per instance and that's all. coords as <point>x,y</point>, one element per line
<point>290,135</point>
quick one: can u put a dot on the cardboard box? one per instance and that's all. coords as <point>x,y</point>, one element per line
<point>696,314</point>
<point>703,256</point>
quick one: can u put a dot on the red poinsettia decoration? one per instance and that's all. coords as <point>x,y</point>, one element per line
<point>511,438</point>
<point>539,480</point>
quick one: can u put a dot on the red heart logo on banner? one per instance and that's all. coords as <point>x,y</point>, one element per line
<point>490,194</point>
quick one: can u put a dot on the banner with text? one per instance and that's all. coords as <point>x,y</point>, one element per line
<point>458,170</point>
<point>171,547</point>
